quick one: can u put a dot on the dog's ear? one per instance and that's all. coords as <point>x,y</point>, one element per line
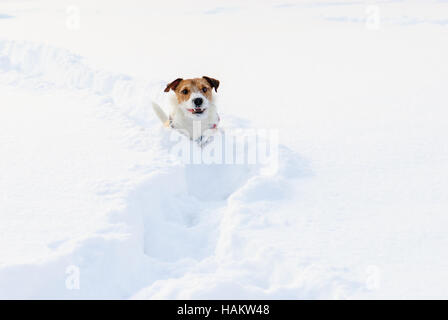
<point>213,82</point>
<point>173,85</point>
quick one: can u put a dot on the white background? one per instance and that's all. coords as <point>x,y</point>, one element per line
<point>356,89</point>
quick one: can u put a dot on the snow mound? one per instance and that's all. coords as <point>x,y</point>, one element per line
<point>147,225</point>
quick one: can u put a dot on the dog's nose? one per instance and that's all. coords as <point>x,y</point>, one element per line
<point>198,102</point>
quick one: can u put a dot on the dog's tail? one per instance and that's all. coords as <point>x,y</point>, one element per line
<point>159,112</point>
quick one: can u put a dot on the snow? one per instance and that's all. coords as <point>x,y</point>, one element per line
<point>94,205</point>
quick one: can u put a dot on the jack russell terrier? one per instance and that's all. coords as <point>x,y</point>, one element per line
<point>193,112</point>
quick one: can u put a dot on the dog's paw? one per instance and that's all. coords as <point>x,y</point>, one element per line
<point>202,141</point>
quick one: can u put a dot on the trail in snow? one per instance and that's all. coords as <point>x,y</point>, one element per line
<point>86,179</point>
<point>109,199</point>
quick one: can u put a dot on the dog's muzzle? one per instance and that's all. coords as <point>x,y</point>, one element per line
<point>197,106</point>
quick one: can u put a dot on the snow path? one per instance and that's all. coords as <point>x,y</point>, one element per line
<point>110,200</point>
<point>85,177</point>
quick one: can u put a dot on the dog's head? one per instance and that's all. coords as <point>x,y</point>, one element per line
<point>194,96</point>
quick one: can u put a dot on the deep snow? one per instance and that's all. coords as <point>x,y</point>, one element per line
<point>356,209</point>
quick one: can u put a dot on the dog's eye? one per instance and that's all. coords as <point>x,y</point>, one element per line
<point>185,91</point>
<point>204,89</point>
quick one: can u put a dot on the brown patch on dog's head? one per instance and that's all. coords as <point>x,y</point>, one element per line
<point>184,88</point>
<point>213,82</point>
<point>173,85</point>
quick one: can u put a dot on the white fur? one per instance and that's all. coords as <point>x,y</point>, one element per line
<point>159,113</point>
<point>195,126</point>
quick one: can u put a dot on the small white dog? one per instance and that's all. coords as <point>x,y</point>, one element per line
<point>192,111</point>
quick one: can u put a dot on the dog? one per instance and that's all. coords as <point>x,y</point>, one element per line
<point>193,111</point>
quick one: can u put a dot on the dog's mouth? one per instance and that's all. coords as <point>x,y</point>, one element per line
<point>197,111</point>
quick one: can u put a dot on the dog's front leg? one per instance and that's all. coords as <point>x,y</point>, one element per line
<point>204,140</point>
